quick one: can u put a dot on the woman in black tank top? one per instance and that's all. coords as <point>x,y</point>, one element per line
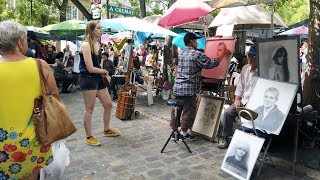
<point>91,82</point>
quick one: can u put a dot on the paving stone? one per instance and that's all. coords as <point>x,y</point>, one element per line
<point>195,175</point>
<point>167,176</point>
<point>153,158</point>
<point>184,155</point>
<point>169,160</point>
<point>123,155</point>
<point>139,169</point>
<point>155,164</point>
<point>183,171</point>
<point>139,177</point>
<point>135,154</point>
<point>201,149</point>
<point>120,168</point>
<point>155,172</point>
<point>207,155</point>
<point>199,167</point>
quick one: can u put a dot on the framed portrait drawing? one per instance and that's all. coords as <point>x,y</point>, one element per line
<point>278,59</point>
<point>272,101</point>
<point>242,155</point>
<point>222,48</point>
<point>207,120</point>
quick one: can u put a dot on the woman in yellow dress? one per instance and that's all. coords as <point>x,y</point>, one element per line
<point>21,155</point>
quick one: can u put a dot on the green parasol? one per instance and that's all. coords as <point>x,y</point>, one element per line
<point>68,29</point>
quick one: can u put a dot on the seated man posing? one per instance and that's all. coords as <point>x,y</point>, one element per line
<point>245,85</point>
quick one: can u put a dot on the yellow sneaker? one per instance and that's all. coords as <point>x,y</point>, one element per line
<point>93,141</point>
<point>111,133</point>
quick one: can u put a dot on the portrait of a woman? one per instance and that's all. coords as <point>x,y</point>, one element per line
<point>279,67</point>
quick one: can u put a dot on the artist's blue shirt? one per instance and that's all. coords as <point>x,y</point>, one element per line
<point>190,63</point>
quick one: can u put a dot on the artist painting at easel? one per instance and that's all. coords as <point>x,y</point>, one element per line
<point>187,81</point>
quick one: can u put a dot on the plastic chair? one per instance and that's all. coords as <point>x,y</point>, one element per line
<point>251,116</point>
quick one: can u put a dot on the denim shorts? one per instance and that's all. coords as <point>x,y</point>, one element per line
<point>91,82</point>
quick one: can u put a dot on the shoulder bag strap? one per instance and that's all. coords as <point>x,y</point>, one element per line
<point>44,83</point>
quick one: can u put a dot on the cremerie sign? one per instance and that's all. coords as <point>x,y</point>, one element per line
<point>120,10</point>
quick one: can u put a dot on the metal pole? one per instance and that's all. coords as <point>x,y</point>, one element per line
<point>30,12</point>
<point>272,23</point>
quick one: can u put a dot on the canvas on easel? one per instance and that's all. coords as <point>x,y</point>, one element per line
<point>222,48</point>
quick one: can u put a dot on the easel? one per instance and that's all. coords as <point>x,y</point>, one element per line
<point>128,61</point>
<point>297,118</point>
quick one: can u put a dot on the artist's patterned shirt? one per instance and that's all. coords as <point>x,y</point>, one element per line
<point>190,63</point>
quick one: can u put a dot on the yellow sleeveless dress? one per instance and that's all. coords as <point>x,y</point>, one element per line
<point>20,151</point>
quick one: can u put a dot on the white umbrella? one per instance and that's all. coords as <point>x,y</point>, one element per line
<point>73,47</point>
<point>153,18</point>
<point>121,35</point>
<point>246,17</point>
<point>199,24</point>
<point>135,24</point>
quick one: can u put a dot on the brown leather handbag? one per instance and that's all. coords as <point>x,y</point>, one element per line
<point>50,117</point>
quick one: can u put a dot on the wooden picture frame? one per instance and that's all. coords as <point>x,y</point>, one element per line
<point>243,146</point>
<point>207,119</point>
<point>271,67</point>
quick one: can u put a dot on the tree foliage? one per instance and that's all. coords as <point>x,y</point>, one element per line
<point>42,13</point>
<point>292,11</point>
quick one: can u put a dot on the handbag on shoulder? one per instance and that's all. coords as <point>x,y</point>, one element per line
<point>50,117</point>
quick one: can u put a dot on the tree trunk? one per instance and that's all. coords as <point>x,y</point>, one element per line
<point>167,51</point>
<point>107,12</point>
<point>167,56</point>
<point>143,8</point>
<point>311,88</point>
<point>62,9</point>
<point>82,9</point>
<point>44,20</point>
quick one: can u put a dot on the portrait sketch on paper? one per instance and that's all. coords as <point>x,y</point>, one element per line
<point>221,48</point>
<point>278,59</point>
<point>208,116</point>
<point>272,101</point>
<point>242,154</point>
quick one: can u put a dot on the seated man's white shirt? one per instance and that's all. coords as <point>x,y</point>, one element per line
<point>246,83</point>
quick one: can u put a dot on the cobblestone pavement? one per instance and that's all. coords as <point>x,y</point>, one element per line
<point>136,153</point>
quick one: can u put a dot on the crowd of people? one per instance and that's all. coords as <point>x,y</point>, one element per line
<point>96,63</point>
<point>18,50</point>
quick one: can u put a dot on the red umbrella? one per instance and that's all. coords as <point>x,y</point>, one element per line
<point>184,11</point>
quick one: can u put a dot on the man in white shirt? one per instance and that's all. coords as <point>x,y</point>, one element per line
<point>247,81</point>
